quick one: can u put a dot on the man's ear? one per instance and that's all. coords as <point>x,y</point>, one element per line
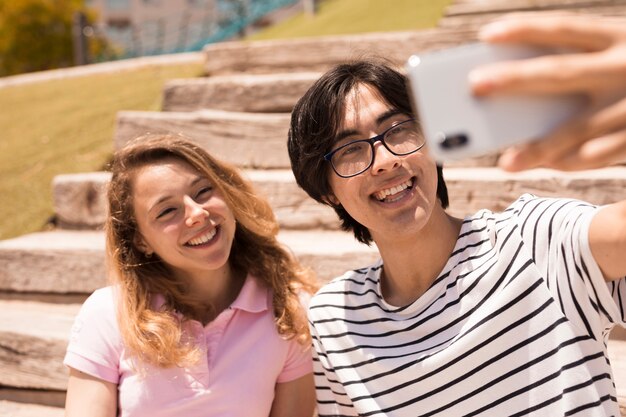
<point>331,200</point>
<point>142,245</point>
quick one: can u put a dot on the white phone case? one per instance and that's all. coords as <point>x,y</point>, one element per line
<point>458,125</point>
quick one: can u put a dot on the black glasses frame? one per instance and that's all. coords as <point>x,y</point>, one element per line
<point>378,138</point>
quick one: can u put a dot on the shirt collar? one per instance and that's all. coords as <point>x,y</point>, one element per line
<point>253,297</point>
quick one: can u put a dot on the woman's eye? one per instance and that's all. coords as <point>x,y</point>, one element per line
<point>203,191</point>
<point>165,212</point>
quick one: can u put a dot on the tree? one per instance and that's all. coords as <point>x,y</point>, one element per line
<point>36,35</point>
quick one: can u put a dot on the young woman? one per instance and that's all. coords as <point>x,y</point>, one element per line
<point>204,317</point>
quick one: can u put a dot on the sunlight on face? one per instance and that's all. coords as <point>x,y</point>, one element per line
<point>182,218</point>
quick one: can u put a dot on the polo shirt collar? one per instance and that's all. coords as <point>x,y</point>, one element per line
<point>253,297</point>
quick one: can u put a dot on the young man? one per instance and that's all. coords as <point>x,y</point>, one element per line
<point>496,314</point>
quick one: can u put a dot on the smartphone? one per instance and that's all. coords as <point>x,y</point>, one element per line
<point>458,125</point>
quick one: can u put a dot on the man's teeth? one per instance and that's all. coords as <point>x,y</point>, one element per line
<point>381,195</point>
<point>202,239</point>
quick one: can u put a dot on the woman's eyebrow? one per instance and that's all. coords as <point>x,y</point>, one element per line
<point>166,197</point>
<point>198,179</point>
<point>161,200</point>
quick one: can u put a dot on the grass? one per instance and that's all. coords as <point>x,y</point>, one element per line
<point>66,126</point>
<point>342,17</point>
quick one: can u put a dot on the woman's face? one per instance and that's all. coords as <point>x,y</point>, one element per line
<point>182,218</point>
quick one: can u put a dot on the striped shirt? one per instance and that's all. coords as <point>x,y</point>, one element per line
<point>515,324</point>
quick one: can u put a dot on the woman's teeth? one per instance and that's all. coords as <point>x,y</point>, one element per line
<point>202,239</point>
<point>383,194</point>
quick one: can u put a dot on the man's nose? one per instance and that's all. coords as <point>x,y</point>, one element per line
<point>384,160</point>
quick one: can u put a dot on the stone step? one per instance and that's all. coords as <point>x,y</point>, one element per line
<point>33,337</point>
<point>248,140</point>
<point>80,200</point>
<point>263,93</point>
<point>471,189</point>
<point>257,140</point>
<point>15,409</point>
<point>466,7</point>
<point>80,203</point>
<point>470,15</point>
<point>320,53</point>
<point>73,262</point>
<point>57,262</point>
<point>458,26</point>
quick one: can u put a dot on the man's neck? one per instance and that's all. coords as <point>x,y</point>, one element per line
<point>412,264</point>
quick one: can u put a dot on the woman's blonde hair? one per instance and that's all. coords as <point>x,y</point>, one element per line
<point>155,335</point>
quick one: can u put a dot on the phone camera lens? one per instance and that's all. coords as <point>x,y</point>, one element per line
<point>453,141</point>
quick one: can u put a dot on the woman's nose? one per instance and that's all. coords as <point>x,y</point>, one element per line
<point>194,212</point>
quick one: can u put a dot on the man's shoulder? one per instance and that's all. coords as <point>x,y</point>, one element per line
<point>530,207</point>
<point>351,282</point>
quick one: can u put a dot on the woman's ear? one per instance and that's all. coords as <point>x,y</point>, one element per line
<point>142,245</point>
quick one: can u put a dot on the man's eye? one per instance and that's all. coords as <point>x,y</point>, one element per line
<point>351,149</point>
<point>399,129</point>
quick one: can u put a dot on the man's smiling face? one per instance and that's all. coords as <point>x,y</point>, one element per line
<point>396,195</point>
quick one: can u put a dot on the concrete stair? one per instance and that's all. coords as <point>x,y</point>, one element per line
<point>244,139</point>
<point>469,15</point>
<point>260,93</point>
<point>71,261</point>
<point>34,335</point>
<point>39,345</point>
<point>318,54</point>
<point>240,113</point>
<point>79,199</point>
<point>15,409</point>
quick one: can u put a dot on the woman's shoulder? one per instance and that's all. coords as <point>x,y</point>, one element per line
<point>101,307</point>
<point>102,299</point>
<point>95,344</point>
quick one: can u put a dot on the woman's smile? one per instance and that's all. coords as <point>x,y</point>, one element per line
<point>204,238</point>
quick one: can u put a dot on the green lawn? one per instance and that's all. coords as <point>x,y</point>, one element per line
<point>341,17</point>
<point>66,126</point>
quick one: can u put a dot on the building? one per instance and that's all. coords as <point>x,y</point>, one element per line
<point>152,27</point>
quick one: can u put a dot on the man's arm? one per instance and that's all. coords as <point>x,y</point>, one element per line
<point>607,239</point>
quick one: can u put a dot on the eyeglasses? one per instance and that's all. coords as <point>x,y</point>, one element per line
<point>357,156</point>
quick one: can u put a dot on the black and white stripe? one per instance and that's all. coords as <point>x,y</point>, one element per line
<point>514,325</point>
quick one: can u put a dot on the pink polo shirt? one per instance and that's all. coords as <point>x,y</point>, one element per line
<point>244,358</point>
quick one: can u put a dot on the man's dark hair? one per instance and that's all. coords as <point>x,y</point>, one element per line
<point>316,118</point>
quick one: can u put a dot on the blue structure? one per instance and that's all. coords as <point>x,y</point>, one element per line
<point>190,30</point>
